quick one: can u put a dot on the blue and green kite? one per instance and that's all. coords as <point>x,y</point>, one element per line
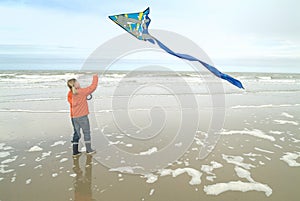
<point>137,25</point>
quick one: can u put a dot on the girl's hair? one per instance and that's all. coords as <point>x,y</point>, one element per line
<point>71,85</point>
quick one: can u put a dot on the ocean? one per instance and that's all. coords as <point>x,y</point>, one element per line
<point>51,85</point>
<point>164,136</point>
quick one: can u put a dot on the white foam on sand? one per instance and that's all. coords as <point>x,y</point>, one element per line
<point>35,148</point>
<point>251,154</point>
<point>13,179</point>
<point>278,146</point>
<point>63,160</point>
<point>28,181</point>
<point>210,178</point>
<point>295,140</point>
<point>151,192</point>
<point>10,160</point>
<point>5,148</point>
<point>199,141</point>
<point>179,144</point>
<point>286,122</point>
<point>209,168</point>
<point>38,166</point>
<point>46,154</point>
<point>113,143</point>
<point>285,114</point>
<point>4,154</point>
<point>195,174</point>
<point>151,178</point>
<point>290,159</point>
<point>149,151</point>
<point>54,175</point>
<point>127,169</point>
<point>3,171</point>
<point>237,160</point>
<point>242,173</point>
<point>186,163</point>
<point>129,145</point>
<point>2,145</point>
<point>58,143</point>
<point>219,188</point>
<point>252,159</point>
<point>276,132</point>
<point>263,150</point>
<point>254,132</point>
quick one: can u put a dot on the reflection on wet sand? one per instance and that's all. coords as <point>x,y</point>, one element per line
<point>83,180</point>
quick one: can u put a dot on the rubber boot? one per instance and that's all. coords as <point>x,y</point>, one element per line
<point>89,149</point>
<point>75,150</point>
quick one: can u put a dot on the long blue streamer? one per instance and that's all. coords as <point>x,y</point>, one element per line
<point>137,25</point>
<point>212,69</point>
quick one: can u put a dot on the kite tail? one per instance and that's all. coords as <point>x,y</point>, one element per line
<point>224,76</point>
<point>212,69</point>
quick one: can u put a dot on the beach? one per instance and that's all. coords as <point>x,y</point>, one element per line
<point>256,155</point>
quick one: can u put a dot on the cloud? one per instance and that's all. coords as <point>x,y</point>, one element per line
<point>50,27</point>
<point>248,33</point>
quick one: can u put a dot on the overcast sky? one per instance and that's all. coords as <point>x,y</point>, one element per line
<point>250,35</point>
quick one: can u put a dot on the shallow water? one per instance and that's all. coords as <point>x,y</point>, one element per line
<point>258,146</point>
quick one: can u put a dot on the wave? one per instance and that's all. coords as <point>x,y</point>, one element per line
<point>279,80</point>
<point>32,100</point>
<point>264,106</point>
<point>37,78</point>
<point>102,110</point>
<point>264,77</point>
<point>255,83</point>
<point>34,111</point>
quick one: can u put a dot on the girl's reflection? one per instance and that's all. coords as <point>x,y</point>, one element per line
<point>83,182</point>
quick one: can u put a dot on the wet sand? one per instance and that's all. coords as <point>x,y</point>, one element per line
<point>258,152</point>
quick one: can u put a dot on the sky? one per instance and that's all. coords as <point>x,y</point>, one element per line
<point>248,35</point>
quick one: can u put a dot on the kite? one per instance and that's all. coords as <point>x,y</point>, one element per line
<point>137,25</point>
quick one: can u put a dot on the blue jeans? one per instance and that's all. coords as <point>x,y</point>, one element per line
<point>84,124</point>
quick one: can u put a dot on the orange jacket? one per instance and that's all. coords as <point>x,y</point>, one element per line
<point>78,102</point>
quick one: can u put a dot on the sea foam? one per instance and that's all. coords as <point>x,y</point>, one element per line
<point>254,132</point>
<point>219,188</point>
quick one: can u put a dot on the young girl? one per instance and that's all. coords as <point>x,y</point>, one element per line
<point>79,113</point>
